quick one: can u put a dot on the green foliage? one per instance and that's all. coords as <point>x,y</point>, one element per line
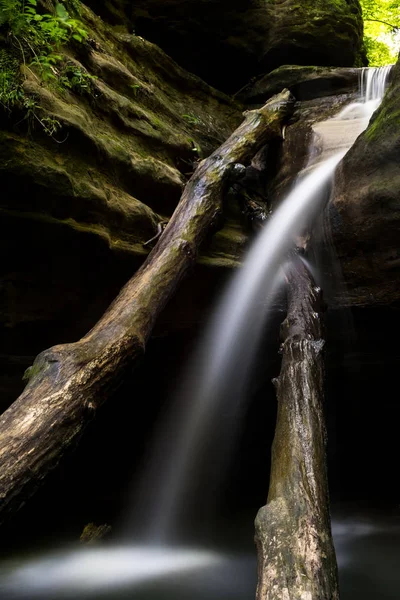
<point>10,92</point>
<point>50,125</point>
<point>31,372</point>
<point>37,37</point>
<point>382,30</point>
<point>37,32</point>
<point>45,64</point>
<point>192,119</point>
<point>135,88</point>
<point>378,53</point>
<point>12,95</point>
<point>75,78</point>
<point>35,40</point>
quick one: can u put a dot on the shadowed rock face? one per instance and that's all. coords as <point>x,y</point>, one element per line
<point>228,41</point>
<point>365,212</point>
<point>318,32</point>
<point>305,82</point>
<point>76,208</point>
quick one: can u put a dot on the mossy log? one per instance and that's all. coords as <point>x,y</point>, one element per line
<point>296,557</point>
<point>69,382</point>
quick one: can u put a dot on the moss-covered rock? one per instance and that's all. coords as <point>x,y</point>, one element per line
<point>77,206</point>
<point>226,42</point>
<point>316,32</point>
<point>365,212</point>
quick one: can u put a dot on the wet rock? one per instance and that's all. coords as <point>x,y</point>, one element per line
<point>306,83</point>
<point>294,154</point>
<point>365,212</point>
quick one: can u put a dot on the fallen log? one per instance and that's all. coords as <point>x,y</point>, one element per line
<point>68,383</point>
<point>296,557</point>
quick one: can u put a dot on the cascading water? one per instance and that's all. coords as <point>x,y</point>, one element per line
<point>218,377</point>
<point>373,83</point>
<point>209,414</point>
<point>218,373</point>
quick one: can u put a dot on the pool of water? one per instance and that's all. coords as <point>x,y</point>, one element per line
<point>368,550</point>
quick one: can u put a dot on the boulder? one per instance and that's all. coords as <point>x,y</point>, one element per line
<point>305,83</point>
<point>316,32</point>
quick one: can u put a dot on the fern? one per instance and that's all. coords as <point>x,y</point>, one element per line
<point>39,32</point>
<point>8,8</point>
<point>36,40</point>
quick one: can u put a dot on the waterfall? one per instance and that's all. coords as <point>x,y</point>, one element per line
<point>373,82</point>
<point>209,403</point>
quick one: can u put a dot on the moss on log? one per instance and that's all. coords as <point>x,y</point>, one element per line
<point>69,382</point>
<point>296,557</point>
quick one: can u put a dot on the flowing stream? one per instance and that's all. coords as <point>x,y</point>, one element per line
<point>207,411</point>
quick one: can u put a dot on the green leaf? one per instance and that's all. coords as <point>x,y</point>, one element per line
<point>61,12</point>
<point>381,20</point>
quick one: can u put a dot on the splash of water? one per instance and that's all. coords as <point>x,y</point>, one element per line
<point>91,571</point>
<point>372,84</point>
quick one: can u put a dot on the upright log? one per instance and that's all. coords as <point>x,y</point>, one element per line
<point>296,557</point>
<point>69,382</point>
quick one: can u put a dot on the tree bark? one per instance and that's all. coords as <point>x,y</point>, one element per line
<point>69,382</point>
<point>296,557</point>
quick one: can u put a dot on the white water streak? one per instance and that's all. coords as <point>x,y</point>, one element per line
<point>215,383</point>
<point>97,569</point>
<point>373,82</point>
<point>217,378</point>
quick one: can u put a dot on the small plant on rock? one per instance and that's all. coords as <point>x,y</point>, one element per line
<point>192,119</point>
<point>34,40</point>
<point>77,79</point>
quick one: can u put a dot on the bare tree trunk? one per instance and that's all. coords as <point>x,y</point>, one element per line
<point>296,557</point>
<point>69,382</point>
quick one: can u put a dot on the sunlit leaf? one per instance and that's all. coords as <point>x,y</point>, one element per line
<point>61,12</point>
